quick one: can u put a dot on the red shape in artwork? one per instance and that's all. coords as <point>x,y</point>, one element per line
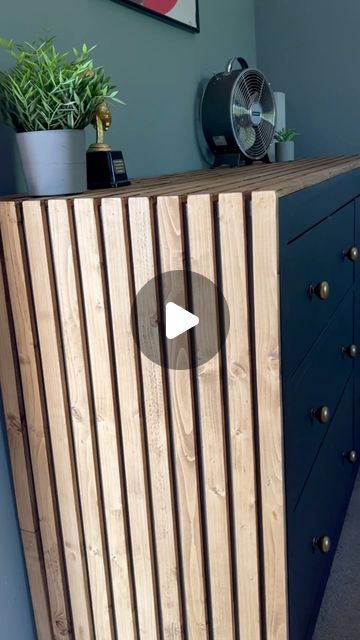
<point>160,6</point>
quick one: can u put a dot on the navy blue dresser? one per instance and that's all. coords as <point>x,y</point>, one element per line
<point>305,281</point>
<point>319,295</point>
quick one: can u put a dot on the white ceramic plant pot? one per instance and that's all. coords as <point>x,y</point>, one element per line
<point>284,151</point>
<point>54,162</point>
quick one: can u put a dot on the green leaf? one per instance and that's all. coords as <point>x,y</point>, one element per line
<point>47,89</point>
<point>285,135</point>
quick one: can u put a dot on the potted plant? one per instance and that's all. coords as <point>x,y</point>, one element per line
<point>49,98</point>
<point>284,147</point>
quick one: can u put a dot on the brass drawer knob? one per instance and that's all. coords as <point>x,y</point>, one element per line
<point>353,254</point>
<point>323,543</point>
<point>321,290</point>
<point>351,350</point>
<point>351,456</point>
<point>322,414</point>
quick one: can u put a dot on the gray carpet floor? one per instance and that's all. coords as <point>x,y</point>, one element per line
<point>339,617</point>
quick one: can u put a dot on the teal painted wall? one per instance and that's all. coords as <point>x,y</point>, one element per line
<point>310,50</point>
<point>156,66</point>
<point>16,619</point>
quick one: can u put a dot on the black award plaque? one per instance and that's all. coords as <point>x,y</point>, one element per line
<point>105,167</point>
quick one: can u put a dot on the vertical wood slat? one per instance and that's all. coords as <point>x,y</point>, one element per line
<point>80,407</point>
<point>118,269</point>
<point>25,498</point>
<point>57,407</point>
<point>31,387</point>
<point>34,560</point>
<point>202,261</point>
<point>22,476</point>
<point>232,236</point>
<point>107,427</point>
<point>171,254</point>
<point>264,222</point>
<point>140,214</point>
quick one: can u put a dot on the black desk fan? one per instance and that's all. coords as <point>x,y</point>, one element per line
<point>237,115</point>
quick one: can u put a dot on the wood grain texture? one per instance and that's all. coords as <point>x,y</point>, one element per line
<point>57,409</point>
<point>242,179</point>
<point>264,223</point>
<point>15,427</point>
<point>80,412</point>
<point>22,475</point>
<point>228,180</point>
<point>118,270</point>
<point>31,386</point>
<point>140,215</point>
<point>233,251</point>
<point>171,254</point>
<point>35,568</point>
<point>108,428</point>
<point>210,407</point>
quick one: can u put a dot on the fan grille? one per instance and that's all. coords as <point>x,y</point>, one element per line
<point>253,113</point>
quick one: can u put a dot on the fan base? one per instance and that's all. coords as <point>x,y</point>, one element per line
<point>235,160</point>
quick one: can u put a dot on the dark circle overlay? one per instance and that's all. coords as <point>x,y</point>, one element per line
<point>196,294</point>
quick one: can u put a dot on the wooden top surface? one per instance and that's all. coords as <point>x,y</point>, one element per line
<point>284,178</point>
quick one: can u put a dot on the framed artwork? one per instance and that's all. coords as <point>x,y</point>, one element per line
<point>181,13</point>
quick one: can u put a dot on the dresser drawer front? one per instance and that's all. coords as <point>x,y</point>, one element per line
<point>314,258</point>
<point>318,383</point>
<point>357,323</point>
<point>304,209</point>
<point>320,513</point>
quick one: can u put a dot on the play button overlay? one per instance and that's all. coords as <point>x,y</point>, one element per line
<point>180,319</point>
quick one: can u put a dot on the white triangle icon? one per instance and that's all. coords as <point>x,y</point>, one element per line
<point>178,320</point>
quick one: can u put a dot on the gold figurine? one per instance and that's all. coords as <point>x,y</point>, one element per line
<point>101,120</point>
<point>105,168</point>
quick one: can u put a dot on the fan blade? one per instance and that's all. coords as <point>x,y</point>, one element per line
<point>259,147</point>
<point>269,117</point>
<point>267,130</point>
<point>240,111</point>
<point>247,136</point>
<point>262,146</point>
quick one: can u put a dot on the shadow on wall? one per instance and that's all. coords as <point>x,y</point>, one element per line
<point>11,179</point>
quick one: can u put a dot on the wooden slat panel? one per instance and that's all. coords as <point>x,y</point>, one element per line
<point>156,428</point>
<point>118,273</point>
<point>107,426</point>
<point>302,180</point>
<point>268,380</point>
<point>228,180</point>
<point>22,476</point>
<point>215,180</point>
<point>202,261</point>
<point>82,426</point>
<point>25,341</point>
<point>232,233</point>
<point>171,252</point>
<point>307,181</point>
<point>244,179</point>
<point>57,407</point>
<point>37,583</point>
<point>25,498</point>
